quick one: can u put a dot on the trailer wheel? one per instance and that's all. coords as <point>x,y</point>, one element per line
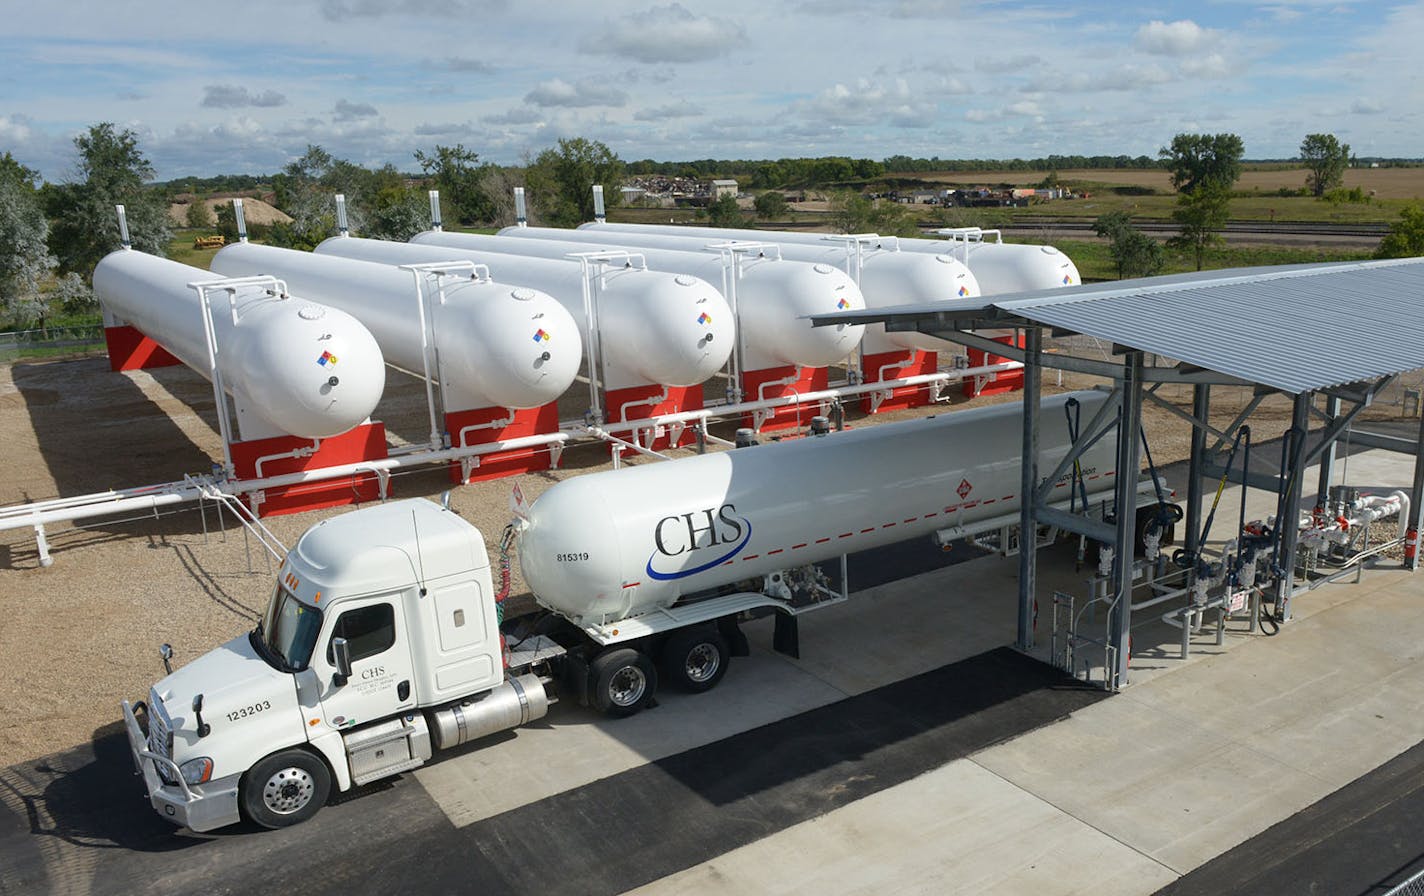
<point>285,789</point>
<point>623,681</point>
<point>695,659</point>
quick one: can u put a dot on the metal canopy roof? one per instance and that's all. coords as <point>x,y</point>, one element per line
<point>1296,328</point>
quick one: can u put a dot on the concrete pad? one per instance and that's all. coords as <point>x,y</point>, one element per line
<point>895,631</point>
<point>958,829</point>
<point>1186,764</point>
<point>574,746</point>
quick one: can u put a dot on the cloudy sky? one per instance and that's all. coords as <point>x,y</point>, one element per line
<point>244,87</point>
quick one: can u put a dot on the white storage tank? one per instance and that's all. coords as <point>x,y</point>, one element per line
<point>498,344</point>
<point>774,296</point>
<point>655,328</point>
<point>887,277</point>
<point>998,268</point>
<point>609,546</point>
<point>301,368</point>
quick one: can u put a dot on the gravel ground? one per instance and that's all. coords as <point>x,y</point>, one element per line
<point>83,634</point>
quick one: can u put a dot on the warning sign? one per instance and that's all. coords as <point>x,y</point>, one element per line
<point>964,489</point>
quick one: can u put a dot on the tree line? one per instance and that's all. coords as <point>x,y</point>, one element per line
<point>52,235</point>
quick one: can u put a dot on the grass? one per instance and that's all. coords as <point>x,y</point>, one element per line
<point>1094,260</point>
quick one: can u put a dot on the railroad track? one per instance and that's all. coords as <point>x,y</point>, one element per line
<point>1257,228</point>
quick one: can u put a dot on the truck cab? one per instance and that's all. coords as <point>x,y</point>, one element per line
<point>375,617</point>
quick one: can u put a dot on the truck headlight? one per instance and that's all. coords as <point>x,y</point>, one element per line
<point>197,771</point>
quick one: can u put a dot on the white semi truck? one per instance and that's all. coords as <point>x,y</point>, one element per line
<point>383,640</point>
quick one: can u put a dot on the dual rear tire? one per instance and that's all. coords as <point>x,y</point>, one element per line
<point>623,680</point>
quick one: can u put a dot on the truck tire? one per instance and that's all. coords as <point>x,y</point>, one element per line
<point>285,789</point>
<point>623,681</point>
<point>695,659</point>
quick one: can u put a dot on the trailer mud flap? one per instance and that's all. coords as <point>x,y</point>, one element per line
<point>786,638</point>
<point>737,643</point>
<point>574,678</point>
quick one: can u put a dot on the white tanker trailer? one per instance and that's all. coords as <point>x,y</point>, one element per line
<point>774,296</point>
<point>293,366</point>
<point>887,277</point>
<point>498,345</point>
<point>653,327</point>
<point>383,639</point>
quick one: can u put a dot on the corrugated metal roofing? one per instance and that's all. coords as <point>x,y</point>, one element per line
<point>1297,328</point>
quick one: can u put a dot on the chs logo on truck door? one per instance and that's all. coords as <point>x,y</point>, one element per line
<point>705,538</point>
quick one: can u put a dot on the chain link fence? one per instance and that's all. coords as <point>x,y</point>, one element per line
<point>29,343</point>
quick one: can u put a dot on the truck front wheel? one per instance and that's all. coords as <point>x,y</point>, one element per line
<point>285,789</point>
<point>695,659</point>
<point>623,681</point>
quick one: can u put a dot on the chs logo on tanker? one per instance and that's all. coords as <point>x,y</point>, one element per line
<point>696,541</point>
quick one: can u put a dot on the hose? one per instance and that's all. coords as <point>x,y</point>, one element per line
<point>506,542</point>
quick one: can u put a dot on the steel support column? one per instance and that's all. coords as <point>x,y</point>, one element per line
<point>1129,461</point>
<point>1288,508</point>
<point>1028,521</point>
<point>1201,410</point>
<point>1328,452</point>
<point>1416,494</point>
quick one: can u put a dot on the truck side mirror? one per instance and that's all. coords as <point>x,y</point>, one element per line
<point>342,652</point>
<point>204,729</point>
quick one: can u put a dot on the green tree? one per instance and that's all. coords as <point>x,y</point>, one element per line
<point>853,213</point>
<point>1204,169</point>
<point>393,209</point>
<point>461,180</point>
<point>1198,160</point>
<point>199,216</point>
<point>25,260</point>
<point>1406,237</point>
<point>724,212</point>
<point>560,180</point>
<point>226,222</point>
<point>1325,159</point>
<point>771,205</point>
<point>306,190</point>
<point>1135,253</point>
<point>1200,215</point>
<point>112,171</point>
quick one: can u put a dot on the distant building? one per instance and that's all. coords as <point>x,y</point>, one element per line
<point>722,188</point>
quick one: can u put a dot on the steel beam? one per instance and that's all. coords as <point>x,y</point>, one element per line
<point>1416,495</point>
<point>1327,450</point>
<point>1129,461</point>
<point>1028,522</point>
<point>1201,411</point>
<point>1398,444</point>
<point>1077,524</point>
<point>1288,508</point>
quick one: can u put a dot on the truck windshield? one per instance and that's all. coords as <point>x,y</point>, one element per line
<point>289,630</point>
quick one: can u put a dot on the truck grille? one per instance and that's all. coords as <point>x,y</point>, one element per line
<point>160,734</point>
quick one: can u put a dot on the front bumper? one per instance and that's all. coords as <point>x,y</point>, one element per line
<point>198,807</point>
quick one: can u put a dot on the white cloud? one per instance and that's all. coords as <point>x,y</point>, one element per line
<point>231,96</point>
<point>1178,38</point>
<point>585,93</point>
<point>899,9</point>
<point>1211,66</point>
<point>666,34</point>
<point>349,111</point>
<point>517,115</point>
<point>342,10</point>
<point>14,128</point>
<point>995,65</point>
<point>1126,77</point>
<point>467,64</point>
<point>868,103</point>
<point>668,112</point>
<point>1366,106</point>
